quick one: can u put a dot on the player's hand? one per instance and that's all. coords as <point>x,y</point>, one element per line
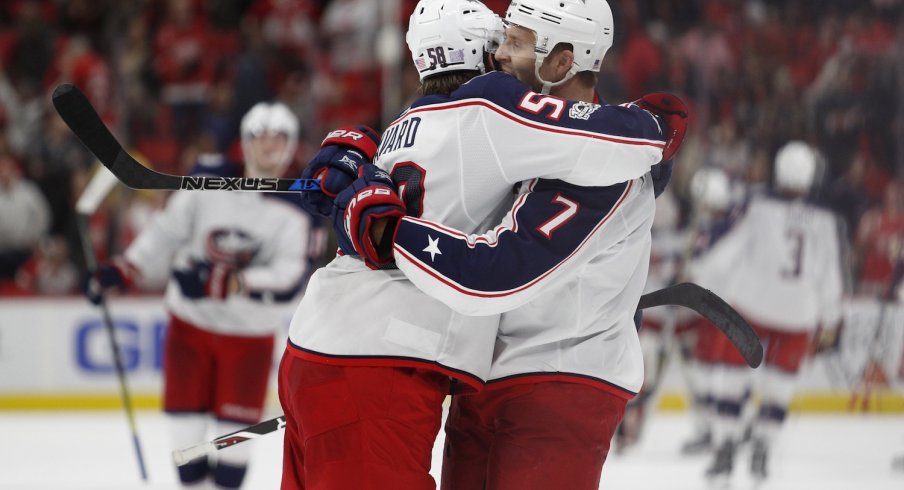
<point>674,112</point>
<point>208,280</point>
<point>109,275</point>
<point>336,165</point>
<point>369,203</point>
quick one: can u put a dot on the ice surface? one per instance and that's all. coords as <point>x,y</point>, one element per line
<point>92,450</point>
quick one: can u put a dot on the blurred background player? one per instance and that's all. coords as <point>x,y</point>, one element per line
<point>715,211</point>
<point>667,332</point>
<point>780,267</point>
<point>236,262</point>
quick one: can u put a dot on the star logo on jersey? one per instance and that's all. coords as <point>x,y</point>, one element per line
<point>582,110</point>
<point>432,247</point>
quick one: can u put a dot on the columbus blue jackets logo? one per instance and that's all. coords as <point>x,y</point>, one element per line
<point>232,246</point>
<point>582,110</point>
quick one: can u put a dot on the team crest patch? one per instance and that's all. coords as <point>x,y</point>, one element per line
<point>582,110</point>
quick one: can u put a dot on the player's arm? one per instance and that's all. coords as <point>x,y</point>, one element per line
<point>543,136</point>
<point>151,253</point>
<point>281,278</point>
<point>544,236</point>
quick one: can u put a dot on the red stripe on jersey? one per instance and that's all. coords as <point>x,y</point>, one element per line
<point>458,234</point>
<point>528,123</point>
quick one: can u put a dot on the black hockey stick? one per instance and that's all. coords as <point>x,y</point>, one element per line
<point>710,306</point>
<point>703,301</point>
<point>93,194</point>
<point>183,456</point>
<point>83,120</point>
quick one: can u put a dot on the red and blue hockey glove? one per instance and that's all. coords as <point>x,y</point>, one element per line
<point>673,112</point>
<point>208,280</point>
<point>109,275</point>
<point>336,165</point>
<point>369,200</point>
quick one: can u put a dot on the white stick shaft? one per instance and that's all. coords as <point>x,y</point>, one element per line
<point>183,456</point>
<point>97,189</point>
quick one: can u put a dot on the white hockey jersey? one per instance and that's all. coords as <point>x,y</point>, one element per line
<point>779,266</point>
<point>270,231</point>
<point>455,161</point>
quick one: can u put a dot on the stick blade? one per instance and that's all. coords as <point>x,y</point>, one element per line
<point>77,112</point>
<point>716,310</point>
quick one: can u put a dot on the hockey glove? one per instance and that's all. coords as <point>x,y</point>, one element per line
<point>358,209</point>
<point>110,275</point>
<point>662,174</point>
<point>208,280</point>
<point>336,165</point>
<point>673,112</point>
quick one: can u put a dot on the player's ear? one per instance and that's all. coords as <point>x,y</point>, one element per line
<point>562,61</point>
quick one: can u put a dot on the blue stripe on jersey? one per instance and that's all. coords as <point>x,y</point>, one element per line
<point>509,94</point>
<point>550,224</point>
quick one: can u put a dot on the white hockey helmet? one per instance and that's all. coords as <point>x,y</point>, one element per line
<point>796,167</point>
<point>711,188</point>
<point>452,35</point>
<point>585,24</point>
<point>275,117</point>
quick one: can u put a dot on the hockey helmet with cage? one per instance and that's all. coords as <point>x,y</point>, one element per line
<point>452,35</point>
<point>585,24</point>
<point>274,117</point>
<point>796,166</point>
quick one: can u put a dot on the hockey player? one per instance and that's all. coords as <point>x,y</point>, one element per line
<point>557,330</point>
<point>780,267</point>
<point>236,261</point>
<point>454,160</point>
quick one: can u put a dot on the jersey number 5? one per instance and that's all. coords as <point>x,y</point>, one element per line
<point>534,103</point>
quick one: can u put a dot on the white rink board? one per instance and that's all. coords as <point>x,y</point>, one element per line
<point>60,347</point>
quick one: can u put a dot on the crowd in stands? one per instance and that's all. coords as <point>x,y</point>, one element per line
<point>173,78</point>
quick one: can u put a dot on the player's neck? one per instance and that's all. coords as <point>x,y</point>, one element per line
<point>573,89</point>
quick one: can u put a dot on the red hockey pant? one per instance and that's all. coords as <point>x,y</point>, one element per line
<point>540,436</point>
<point>209,372</point>
<point>362,428</point>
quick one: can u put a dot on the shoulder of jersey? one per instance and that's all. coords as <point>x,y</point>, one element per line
<point>496,86</point>
<point>506,95</point>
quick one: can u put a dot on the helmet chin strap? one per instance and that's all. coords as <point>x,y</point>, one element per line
<point>547,86</point>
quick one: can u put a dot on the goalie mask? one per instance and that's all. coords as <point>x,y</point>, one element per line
<point>452,35</point>
<point>269,139</point>
<point>585,24</point>
<point>796,167</point>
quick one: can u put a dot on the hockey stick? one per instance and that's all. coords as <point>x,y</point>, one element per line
<point>183,456</point>
<point>710,306</point>
<point>703,301</point>
<point>94,193</point>
<point>77,112</point>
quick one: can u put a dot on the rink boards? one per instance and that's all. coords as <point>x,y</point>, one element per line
<point>55,354</point>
